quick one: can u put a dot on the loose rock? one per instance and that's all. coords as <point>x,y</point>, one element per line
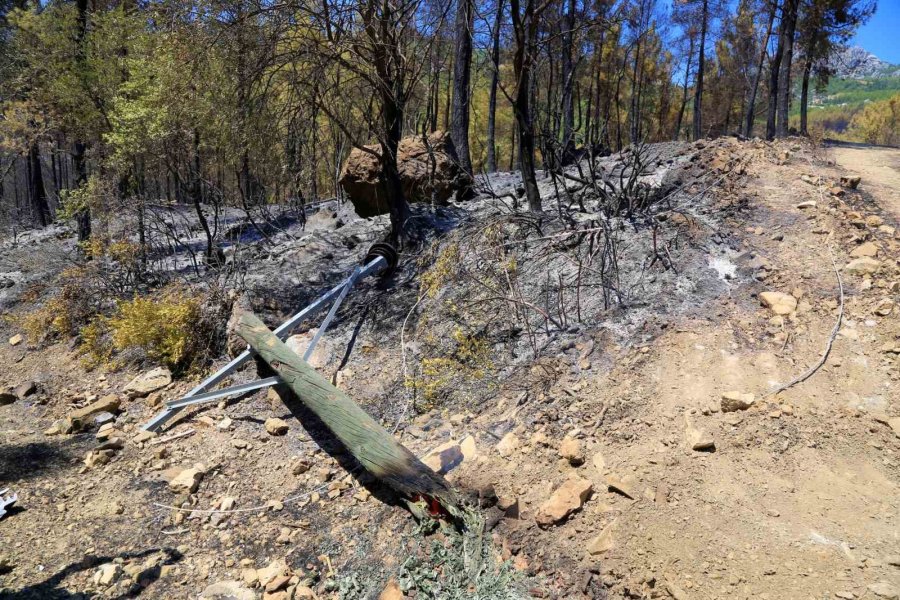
<point>276,426</point>
<point>508,445</point>
<point>734,401</point>
<point>188,480</point>
<point>778,302</point>
<point>883,589</point>
<point>108,404</point>
<point>148,382</point>
<point>570,449</point>
<point>23,390</point>
<point>227,590</point>
<point>850,181</point>
<point>867,249</point>
<point>568,498</point>
<point>862,266</point>
<point>698,439</point>
<point>107,574</point>
<point>391,591</point>
<point>604,542</point>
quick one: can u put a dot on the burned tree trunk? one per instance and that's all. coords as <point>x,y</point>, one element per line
<point>462,75</point>
<point>375,449</point>
<point>701,66</point>
<point>39,204</point>
<point>492,98</point>
<point>754,88</point>
<point>784,74</point>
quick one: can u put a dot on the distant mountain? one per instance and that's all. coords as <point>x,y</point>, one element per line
<point>858,63</point>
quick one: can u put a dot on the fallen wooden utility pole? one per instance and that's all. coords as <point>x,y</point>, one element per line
<point>375,449</point>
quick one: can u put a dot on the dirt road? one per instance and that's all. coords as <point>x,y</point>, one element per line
<point>879,167</point>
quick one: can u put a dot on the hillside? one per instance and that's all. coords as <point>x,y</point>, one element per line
<point>696,402</point>
<point>860,78</point>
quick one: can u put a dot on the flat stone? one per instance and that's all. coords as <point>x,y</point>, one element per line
<point>107,574</point>
<point>734,401</point>
<point>621,484</point>
<point>249,576</point>
<point>778,302</point>
<point>144,436</point>
<point>862,266</point>
<point>391,591</point>
<point>25,389</point>
<point>894,424</point>
<point>187,480</point>
<point>321,355</point>
<point>604,542</point>
<point>698,439</point>
<point>568,498</point>
<point>276,426</point>
<point>867,249</point>
<point>276,568</point>
<point>883,589</point>
<point>444,458</point>
<point>599,463</point>
<point>108,404</point>
<point>148,382</point>
<point>508,445</point>
<point>807,204</point>
<point>228,590</point>
<point>279,582</point>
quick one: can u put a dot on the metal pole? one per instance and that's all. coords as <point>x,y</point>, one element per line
<point>376,265</point>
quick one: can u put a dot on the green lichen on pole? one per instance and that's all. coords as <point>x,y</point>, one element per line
<point>375,449</point>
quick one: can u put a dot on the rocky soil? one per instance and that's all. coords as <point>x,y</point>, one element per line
<point>643,454</point>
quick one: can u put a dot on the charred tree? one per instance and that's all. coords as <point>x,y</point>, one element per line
<point>525,27</point>
<point>701,65</point>
<point>784,75</point>
<point>754,87</point>
<point>492,93</point>
<point>462,76</point>
<point>39,205</point>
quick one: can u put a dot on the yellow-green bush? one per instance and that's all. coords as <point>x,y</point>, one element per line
<point>878,122</point>
<point>443,269</point>
<point>63,314</point>
<point>163,328</point>
<point>438,376</point>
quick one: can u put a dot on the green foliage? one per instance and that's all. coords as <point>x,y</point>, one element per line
<point>469,359</point>
<point>878,122</point>
<point>461,566</point>
<point>162,328</point>
<point>441,271</point>
<point>73,305</point>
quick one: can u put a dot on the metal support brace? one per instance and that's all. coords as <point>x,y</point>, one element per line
<point>380,261</point>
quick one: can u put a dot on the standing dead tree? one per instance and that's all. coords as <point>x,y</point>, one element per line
<point>366,57</point>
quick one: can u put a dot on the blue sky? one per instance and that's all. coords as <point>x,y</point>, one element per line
<point>880,35</point>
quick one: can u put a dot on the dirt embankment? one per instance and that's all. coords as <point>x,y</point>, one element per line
<point>641,456</point>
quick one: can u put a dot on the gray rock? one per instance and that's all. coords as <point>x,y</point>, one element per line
<point>228,590</point>
<point>25,389</point>
<point>148,382</point>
